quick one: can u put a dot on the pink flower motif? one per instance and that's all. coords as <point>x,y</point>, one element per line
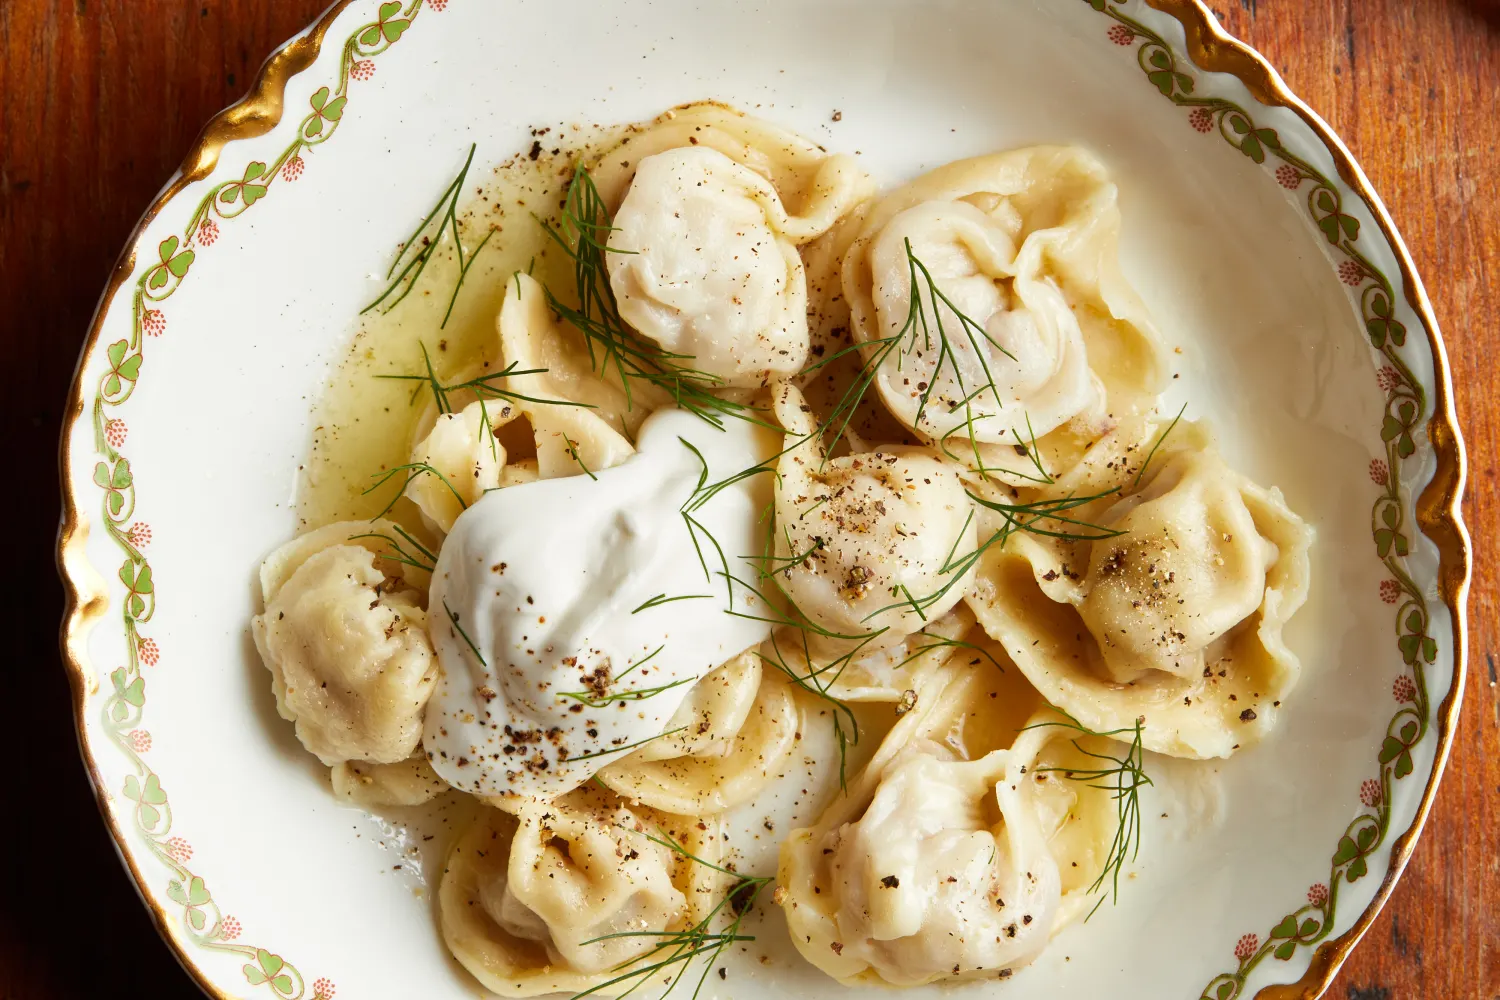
<point>154,323</point>
<point>1404,690</point>
<point>208,232</point>
<point>179,850</point>
<point>1369,792</point>
<point>438,5</point>
<point>1288,177</point>
<point>293,168</point>
<point>362,69</point>
<point>1201,119</point>
<point>1246,946</point>
<point>1390,591</point>
<point>1379,474</point>
<point>1351,273</point>
<point>1318,894</point>
<point>114,433</point>
<point>139,534</point>
<point>140,740</point>
<point>1387,378</point>
<point>229,929</point>
<point>150,652</point>
<point>323,988</point>
<point>1121,35</point>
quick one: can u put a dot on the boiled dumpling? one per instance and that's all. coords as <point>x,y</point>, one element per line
<point>709,208</point>
<point>460,452</point>
<point>891,674</point>
<point>732,736</point>
<point>697,267</point>
<point>1190,566</point>
<point>1177,620</point>
<point>467,458</point>
<point>1052,345</point>
<point>869,546</point>
<point>551,361</point>
<point>525,898</point>
<point>345,638</point>
<point>410,782</point>
<point>943,862</point>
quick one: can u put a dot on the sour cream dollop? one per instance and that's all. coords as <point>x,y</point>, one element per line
<point>571,616</point>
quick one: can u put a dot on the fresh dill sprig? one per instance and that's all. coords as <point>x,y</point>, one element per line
<point>837,422</point>
<point>660,599</point>
<point>423,558</point>
<point>682,946</point>
<point>572,450</point>
<point>600,698</point>
<point>415,470</point>
<point>593,700</point>
<point>583,235</point>
<point>1152,453</point>
<point>917,316</point>
<point>641,662</point>
<point>484,386</point>
<point>629,746</point>
<point>1030,516</point>
<point>463,271</point>
<point>780,564</point>
<point>942,642</point>
<point>453,617</point>
<point>447,206</point>
<point>1123,778</point>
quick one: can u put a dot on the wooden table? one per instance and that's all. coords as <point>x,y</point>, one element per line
<point>98,101</point>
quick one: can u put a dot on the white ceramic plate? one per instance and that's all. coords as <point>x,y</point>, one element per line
<point>1304,335</point>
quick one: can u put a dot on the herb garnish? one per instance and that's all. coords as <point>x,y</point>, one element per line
<point>404,282</point>
<point>660,599</point>
<point>1152,453</point>
<point>402,556</point>
<point>614,349</point>
<point>453,617</point>
<point>629,746</point>
<point>415,470</point>
<point>1123,779</point>
<point>682,946</point>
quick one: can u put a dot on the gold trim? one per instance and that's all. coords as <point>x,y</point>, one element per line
<point>1439,508</point>
<point>1210,48</point>
<point>86,600</point>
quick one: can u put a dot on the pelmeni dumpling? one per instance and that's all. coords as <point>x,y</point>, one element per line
<point>459,451</point>
<point>832,387</point>
<point>891,674</point>
<point>709,208</point>
<point>734,734</point>
<point>409,782</point>
<point>345,638</point>
<point>467,460</point>
<point>696,267</point>
<point>552,362</point>
<point>865,541</point>
<point>525,898</point>
<point>945,860</point>
<point>1177,620</point>
<point>1052,343</point>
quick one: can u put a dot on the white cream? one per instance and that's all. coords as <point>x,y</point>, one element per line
<point>547,580</point>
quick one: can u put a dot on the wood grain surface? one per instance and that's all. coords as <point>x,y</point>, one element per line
<point>99,99</point>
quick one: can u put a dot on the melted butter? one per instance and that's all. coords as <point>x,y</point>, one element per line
<point>362,423</point>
